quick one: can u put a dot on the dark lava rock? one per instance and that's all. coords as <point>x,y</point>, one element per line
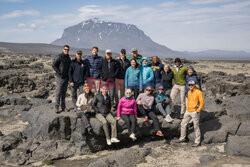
<point>123,158</point>
<point>238,145</point>
<point>10,141</point>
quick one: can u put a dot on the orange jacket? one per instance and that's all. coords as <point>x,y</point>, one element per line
<point>195,101</point>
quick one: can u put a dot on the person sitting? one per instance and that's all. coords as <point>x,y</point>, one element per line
<point>102,107</point>
<point>162,104</point>
<point>84,109</point>
<point>145,102</point>
<point>127,110</point>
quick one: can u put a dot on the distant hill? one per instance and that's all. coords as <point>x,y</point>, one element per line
<point>95,32</point>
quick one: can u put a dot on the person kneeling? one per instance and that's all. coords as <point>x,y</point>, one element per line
<point>127,110</point>
<point>145,102</point>
<point>162,104</point>
<point>195,103</point>
<point>84,109</point>
<point>102,107</point>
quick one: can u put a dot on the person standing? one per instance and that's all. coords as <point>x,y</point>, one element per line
<point>127,110</point>
<point>108,69</point>
<point>145,102</point>
<point>92,62</point>
<point>180,72</point>
<point>157,68</point>
<point>192,75</point>
<point>147,74</point>
<point>78,72</point>
<point>132,78</point>
<point>195,103</point>
<point>61,66</point>
<point>124,65</point>
<point>102,107</point>
<point>136,56</point>
<point>167,78</point>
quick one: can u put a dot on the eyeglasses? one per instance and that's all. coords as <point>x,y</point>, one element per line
<point>128,92</point>
<point>148,90</point>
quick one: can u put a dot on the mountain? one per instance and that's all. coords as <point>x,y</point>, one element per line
<point>95,32</point>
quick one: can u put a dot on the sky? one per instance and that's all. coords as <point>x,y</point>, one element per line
<point>183,25</point>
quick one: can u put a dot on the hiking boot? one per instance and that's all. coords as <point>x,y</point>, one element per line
<point>181,116</point>
<point>146,119</point>
<point>56,109</point>
<point>159,133</point>
<point>64,109</point>
<point>132,136</point>
<point>114,140</point>
<point>196,145</point>
<point>179,141</point>
<point>168,118</point>
<point>109,142</point>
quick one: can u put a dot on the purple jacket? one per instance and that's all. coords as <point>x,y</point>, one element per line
<point>127,106</point>
<point>147,100</point>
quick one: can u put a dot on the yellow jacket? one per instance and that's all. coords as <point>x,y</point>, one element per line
<point>195,101</point>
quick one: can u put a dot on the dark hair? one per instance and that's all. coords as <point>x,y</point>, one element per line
<point>123,51</point>
<point>66,46</point>
<point>95,47</point>
<point>177,60</point>
<point>136,64</point>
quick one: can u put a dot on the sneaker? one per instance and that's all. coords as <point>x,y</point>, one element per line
<point>196,145</point>
<point>56,109</point>
<point>132,136</point>
<point>168,118</point>
<point>159,133</point>
<point>146,119</point>
<point>109,142</point>
<point>114,140</point>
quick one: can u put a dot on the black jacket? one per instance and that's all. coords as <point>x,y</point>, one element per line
<point>124,65</point>
<point>100,105</point>
<point>61,65</point>
<point>78,72</point>
<point>167,79</point>
<point>106,72</point>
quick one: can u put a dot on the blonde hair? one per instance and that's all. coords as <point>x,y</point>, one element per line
<point>128,90</point>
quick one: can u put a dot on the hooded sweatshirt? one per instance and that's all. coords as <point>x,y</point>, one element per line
<point>147,74</point>
<point>195,101</point>
<point>127,106</point>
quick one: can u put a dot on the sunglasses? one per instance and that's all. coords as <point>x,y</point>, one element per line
<point>160,89</point>
<point>65,49</point>
<point>128,92</point>
<point>190,85</point>
<point>148,90</point>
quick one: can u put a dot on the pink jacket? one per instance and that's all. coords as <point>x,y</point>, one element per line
<point>127,106</point>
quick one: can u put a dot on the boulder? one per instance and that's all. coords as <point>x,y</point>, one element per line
<point>206,159</point>
<point>244,129</point>
<point>10,141</point>
<point>238,145</point>
<point>238,107</point>
<point>125,158</point>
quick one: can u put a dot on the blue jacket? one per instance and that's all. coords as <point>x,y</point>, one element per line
<point>193,77</point>
<point>132,77</point>
<point>160,98</point>
<point>93,63</point>
<point>78,72</point>
<point>157,68</point>
<point>147,74</point>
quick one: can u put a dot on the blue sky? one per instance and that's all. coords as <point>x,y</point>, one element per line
<point>190,25</point>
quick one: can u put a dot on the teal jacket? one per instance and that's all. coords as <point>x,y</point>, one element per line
<point>138,59</point>
<point>132,77</point>
<point>147,74</point>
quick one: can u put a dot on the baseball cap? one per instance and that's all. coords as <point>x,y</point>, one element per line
<point>108,51</point>
<point>191,82</point>
<point>134,50</point>
<point>79,52</point>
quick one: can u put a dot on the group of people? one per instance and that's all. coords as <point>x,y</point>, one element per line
<point>130,86</point>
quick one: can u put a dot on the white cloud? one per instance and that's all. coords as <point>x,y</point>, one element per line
<point>19,13</point>
<point>21,25</point>
<point>206,2</point>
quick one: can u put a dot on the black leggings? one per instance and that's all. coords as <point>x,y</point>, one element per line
<point>151,114</point>
<point>130,121</point>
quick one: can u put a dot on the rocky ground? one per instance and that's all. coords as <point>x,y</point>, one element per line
<point>30,133</point>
